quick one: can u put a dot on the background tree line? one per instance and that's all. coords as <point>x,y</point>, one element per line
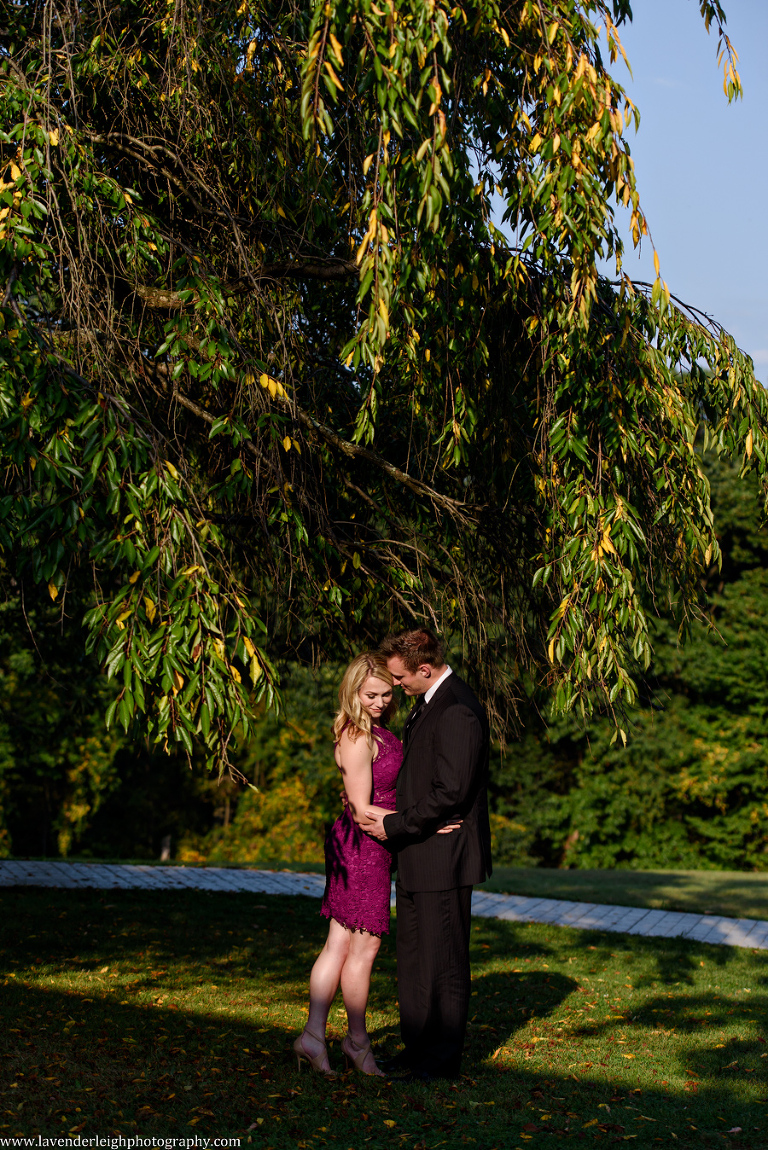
<point>689,790</point>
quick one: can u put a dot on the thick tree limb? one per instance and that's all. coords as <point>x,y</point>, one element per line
<point>455,507</point>
<point>328,270</point>
<point>352,450</point>
<point>342,548</point>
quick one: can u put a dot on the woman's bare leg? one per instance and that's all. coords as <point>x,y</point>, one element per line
<point>355,985</point>
<point>323,984</point>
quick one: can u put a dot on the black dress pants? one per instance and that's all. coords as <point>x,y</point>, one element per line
<point>433,977</point>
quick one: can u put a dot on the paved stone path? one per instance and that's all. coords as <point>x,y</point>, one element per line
<point>746,932</point>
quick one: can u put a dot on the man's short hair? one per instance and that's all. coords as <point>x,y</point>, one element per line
<point>414,648</point>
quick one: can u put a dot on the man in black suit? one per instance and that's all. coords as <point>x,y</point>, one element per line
<point>443,780</point>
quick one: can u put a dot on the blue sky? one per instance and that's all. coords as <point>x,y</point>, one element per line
<point>702,163</point>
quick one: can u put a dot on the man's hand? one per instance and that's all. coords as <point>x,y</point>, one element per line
<point>374,824</point>
<point>453,825</point>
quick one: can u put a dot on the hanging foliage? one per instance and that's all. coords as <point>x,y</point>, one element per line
<point>303,336</point>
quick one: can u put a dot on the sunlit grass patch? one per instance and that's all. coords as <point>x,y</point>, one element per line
<point>172,1013</point>
<point>736,894</point>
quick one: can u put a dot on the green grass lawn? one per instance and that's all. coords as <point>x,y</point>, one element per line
<point>732,893</point>
<point>172,1014</point>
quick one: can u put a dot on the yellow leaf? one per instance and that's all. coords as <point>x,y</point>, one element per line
<point>27,401</point>
<point>427,355</point>
<point>4,213</point>
<point>123,616</point>
<point>53,590</point>
<point>256,670</point>
<point>287,443</point>
<point>750,443</point>
<point>367,163</point>
<point>172,469</point>
<point>134,577</point>
<point>390,1122</point>
<point>236,674</point>
<point>337,49</point>
<point>273,386</point>
<point>605,543</point>
<point>551,650</point>
<point>504,36</point>
<point>53,137</point>
<point>656,262</point>
<point>535,143</point>
<point>280,212</point>
<point>219,647</point>
<point>334,78</point>
<point>249,646</point>
<point>627,1056</point>
<point>15,171</point>
<point>150,608</point>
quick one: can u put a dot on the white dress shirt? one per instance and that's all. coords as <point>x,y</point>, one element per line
<point>428,694</point>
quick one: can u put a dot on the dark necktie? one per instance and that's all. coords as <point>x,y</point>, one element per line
<point>413,713</point>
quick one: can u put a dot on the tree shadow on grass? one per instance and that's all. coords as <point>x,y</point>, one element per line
<point>194,1034</point>
<point>509,1001</point>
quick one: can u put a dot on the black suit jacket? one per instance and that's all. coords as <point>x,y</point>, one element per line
<point>444,775</point>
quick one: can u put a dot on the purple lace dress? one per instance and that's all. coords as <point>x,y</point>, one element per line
<point>357,867</point>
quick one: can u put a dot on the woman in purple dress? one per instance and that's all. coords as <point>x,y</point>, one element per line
<point>357,867</point>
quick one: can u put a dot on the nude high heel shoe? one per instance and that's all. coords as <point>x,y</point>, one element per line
<point>315,1061</point>
<point>355,1057</point>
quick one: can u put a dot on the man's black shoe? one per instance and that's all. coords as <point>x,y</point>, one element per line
<point>414,1076</point>
<point>395,1065</point>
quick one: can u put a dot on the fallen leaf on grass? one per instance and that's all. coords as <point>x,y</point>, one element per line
<point>735,1130</point>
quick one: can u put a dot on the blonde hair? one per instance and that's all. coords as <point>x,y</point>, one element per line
<point>351,713</point>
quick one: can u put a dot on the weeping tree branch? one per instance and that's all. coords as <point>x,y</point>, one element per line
<point>327,270</point>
